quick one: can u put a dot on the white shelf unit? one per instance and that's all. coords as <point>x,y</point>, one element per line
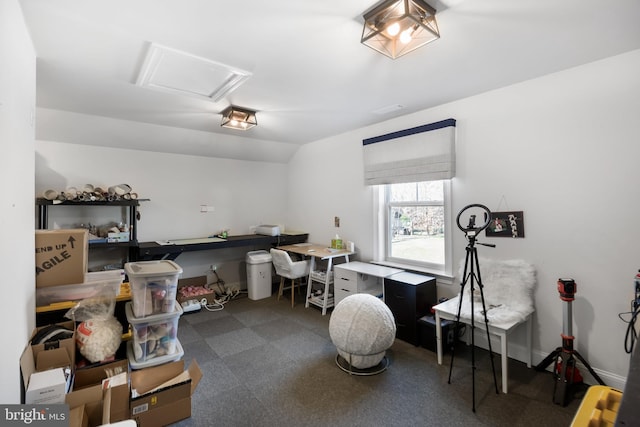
<point>326,299</point>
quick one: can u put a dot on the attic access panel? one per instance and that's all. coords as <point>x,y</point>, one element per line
<point>179,72</point>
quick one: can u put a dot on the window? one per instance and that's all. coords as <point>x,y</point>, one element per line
<point>415,225</point>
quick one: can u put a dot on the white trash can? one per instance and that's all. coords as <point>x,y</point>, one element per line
<point>259,274</point>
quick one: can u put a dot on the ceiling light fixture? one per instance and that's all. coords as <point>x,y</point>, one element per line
<point>238,118</point>
<point>396,27</point>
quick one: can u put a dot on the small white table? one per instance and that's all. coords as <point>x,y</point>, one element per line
<point>449,310</point>
<point>321,253</point>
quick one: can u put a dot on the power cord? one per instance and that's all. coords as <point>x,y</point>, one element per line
<point>219,283</point>
<point>218,303</point>
<point>631,335</point>
<point>222,294</point>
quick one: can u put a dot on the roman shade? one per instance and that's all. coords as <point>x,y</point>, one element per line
<point>422,153</point>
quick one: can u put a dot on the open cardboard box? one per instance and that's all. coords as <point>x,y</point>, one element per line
<point>161,395</point>
<point>99,405</point>
<point>42,357</point>
<point>198,281</point>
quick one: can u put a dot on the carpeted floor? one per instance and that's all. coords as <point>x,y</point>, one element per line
<point>268,364</point>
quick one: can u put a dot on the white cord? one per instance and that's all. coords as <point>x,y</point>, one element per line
<point>218,303</point>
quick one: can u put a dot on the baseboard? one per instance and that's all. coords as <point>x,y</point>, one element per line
<point>519,352</point>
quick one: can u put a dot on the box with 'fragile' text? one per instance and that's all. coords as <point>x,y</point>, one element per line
<point>61,256</point>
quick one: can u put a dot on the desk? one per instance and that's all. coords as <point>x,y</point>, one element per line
<point>449,310</point>
<point>360,277</point>
<point>153,251</point>
<point>319,252</point>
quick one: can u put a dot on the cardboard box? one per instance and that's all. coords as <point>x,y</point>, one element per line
<point>194,285</point>
<point>100,405</point>
<point>42,357</point>
<point>161,395</point>
<point>55,354</point>
<point>46,387</point>
<point>61,257</point>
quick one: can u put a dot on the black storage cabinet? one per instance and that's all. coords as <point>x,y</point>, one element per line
<point>409,296</point>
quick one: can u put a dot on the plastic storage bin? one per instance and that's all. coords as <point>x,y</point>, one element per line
<point>153,286</point>
<point>599,407</point>
<point>258,274</point>
<point>96,284</point>
<point>155,336</point>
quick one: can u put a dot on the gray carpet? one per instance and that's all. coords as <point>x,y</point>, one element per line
<point>268,364</point>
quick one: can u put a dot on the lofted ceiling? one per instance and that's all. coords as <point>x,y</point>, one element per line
<point>310,78</point>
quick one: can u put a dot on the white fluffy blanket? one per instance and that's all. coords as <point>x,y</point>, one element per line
<point>508,287</point>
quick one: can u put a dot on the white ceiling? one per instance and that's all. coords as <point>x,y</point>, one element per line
<point>311,77</point>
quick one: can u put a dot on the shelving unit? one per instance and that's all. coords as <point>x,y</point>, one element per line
<point>124,251</point>
<point>325,278</point>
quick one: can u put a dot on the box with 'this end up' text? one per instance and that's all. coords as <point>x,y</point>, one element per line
<point>61,256</point>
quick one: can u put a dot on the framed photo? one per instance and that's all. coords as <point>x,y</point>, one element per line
<point>506,224</point>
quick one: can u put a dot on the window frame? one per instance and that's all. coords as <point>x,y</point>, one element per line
<point>384,226</point>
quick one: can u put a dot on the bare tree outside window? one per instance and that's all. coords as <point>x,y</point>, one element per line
<point>416,226</point>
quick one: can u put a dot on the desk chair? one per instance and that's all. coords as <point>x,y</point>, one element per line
<point>288,269</point>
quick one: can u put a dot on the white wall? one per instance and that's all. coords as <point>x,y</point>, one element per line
<point>17,109</point>
<point>563,149</point>
<point>243,194</point>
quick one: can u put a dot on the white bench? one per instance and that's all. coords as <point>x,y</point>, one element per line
<point>448,310</point>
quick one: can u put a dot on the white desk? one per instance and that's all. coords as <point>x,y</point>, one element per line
<point>360,277</point>
<point>449,309</point>
<point>322,253</point>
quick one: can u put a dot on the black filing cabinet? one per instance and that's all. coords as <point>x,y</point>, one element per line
<point>409,296</point>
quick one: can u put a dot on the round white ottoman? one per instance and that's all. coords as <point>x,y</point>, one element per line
<point>362,328</point>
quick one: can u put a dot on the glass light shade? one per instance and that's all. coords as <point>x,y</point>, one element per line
<point>397,27</point>
<point>238,118</point>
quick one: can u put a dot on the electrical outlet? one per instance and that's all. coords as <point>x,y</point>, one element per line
<point>336,221</point>
<point>213,267</point>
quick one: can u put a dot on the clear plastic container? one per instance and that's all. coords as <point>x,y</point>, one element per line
<point>153,286</point>
<point>156,360</point>
<point>94,285</point>
<point>154,336</point>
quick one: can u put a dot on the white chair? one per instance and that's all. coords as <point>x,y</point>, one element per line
<point>288,269</point>
<point>508,287</point>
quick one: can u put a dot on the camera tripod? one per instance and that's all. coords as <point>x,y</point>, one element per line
<point>472,266</point>
<point>565,370</point>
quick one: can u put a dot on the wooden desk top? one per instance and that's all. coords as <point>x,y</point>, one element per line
<point>315,250</point>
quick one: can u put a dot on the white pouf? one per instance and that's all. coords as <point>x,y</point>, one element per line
<point>362,328</point>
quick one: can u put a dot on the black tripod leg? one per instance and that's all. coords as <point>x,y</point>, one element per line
<point>457,324</point>
<point>552,357</point>
<point>486,325</point>
<point>589,368</point>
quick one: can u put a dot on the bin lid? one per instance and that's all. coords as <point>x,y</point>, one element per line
<point>258,257</point>
<point>153,318</point>
<point>152,268</point>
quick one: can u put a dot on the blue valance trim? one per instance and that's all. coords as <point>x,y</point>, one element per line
<point>418,129</point>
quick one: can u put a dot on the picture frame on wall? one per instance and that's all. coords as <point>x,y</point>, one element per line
<point>506,224</point>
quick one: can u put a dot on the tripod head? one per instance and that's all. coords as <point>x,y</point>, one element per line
<point>471,230</point>
<point>567,289</point>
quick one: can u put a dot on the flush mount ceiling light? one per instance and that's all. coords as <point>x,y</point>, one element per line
<point>238,118</point>
<point>396,27</point>
<point>171,70</point>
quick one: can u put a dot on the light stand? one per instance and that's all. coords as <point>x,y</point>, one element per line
<point>472,266</point>
<point>565,369</point>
